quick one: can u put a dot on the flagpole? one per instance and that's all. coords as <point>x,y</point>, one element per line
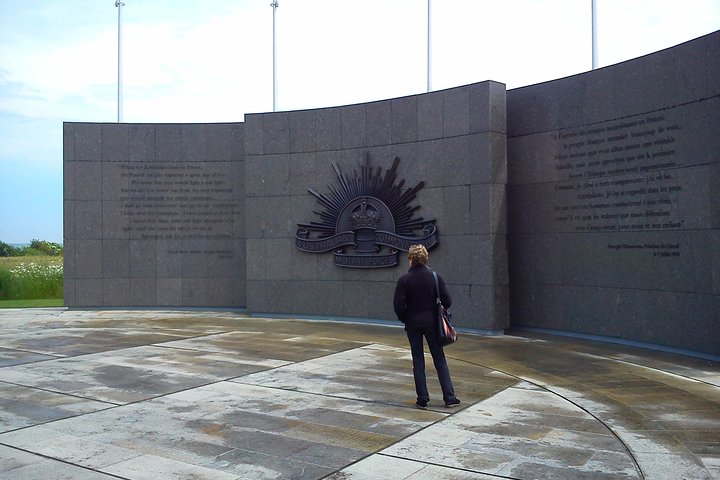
<point>274,6</point>
<point>594,34</point>
<point>119,6</point>
<point>429,49</point>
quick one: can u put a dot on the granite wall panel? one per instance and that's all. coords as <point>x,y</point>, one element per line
<point>194,144</point>
<point>276,133</point>
<point>115,259</point>
<point>115,292</point>
<point>88,178</point>
<point>168,291</point>
<point>456,112</point>
<point>142,259</point>
<point>115,142</point>
<point>68,220</point>
<point>88,293</point>
<point>353,126</point>
<point>379,123</point>
<point>328,128</point>
<point>194,291</point>
<point>88,220</point>
<point>612,200</point>
<point>219,142</point>
<point>302,131</point>
<point>143,292</point>
<point>404,114</point>
<point>69,180</point>
<point>463,175</point>
<point>69,290</point>
<point>141,143</point>
<point>168,143</point>
<point>88,142</point>
<point>150,206</point>
<point>430,116</point>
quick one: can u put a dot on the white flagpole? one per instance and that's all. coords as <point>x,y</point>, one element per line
<point>429,48</point>
<point>594,35</point>
<point>274,6</point>
<point>119,6</point>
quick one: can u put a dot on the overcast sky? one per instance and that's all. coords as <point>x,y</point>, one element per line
<point>211,61</point>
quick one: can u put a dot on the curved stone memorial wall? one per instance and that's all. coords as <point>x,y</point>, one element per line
<point>613,184</point>
<point>587,204</point>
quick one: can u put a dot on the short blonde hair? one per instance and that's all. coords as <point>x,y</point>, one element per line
<point>418,254</point>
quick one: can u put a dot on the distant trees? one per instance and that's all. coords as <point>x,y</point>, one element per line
<point>6,250</point>
<point>36,248</point>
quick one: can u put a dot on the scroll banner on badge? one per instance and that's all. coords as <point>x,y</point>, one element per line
<point>366,261</point>
<point>323,244</point>
<point>403,243</point>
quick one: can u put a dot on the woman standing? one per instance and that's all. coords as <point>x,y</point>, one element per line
<point>415,306</point>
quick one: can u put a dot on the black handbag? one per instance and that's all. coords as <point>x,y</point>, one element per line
<point>446,331</point>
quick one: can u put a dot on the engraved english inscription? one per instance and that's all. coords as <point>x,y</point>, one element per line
<point>177,201</point>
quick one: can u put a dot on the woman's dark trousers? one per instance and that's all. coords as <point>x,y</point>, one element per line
<point>415,336</point>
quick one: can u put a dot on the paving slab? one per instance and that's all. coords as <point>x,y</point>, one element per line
<point>193,394</point>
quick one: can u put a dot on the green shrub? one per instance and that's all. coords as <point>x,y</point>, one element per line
<point>47,248</point>
<point>6,250</point>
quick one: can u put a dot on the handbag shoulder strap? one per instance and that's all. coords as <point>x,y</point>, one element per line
<point>437,288</point>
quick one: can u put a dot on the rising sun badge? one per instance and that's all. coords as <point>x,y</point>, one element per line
<point>367,219</point>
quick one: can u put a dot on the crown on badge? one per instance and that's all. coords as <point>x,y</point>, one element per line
<point>365,216</point>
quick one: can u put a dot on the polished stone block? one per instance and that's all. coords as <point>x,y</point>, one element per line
<point>88,292</point>
<point>88,180</point>
<point>68,178</point>
<point>237,142</point>
<point>88,259</point>
<point>115,259</point>
<point>379,123</point>
<point>219,140</point>
<point>194,143</point>
<point>142,291</point>
<point>168,143</point>
<point>194,291</point>
<point>353,126</point>
<point>328,129</point>
<point>302,131</point>
<point>404,119</point>
<point>276,133</point>
<point>142,259</point>
<point>169,291</point>
<point>253,134</point>
<point>430,116</point>
<point>115,142</point>
<point>141,143</point>
<point>116,291</point>
<point>456,111</point>
<point>68,220</point>
<point>88,142</point>
<point>68,142</point>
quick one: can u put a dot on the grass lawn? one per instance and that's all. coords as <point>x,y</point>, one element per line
<point>36,278</point>
<point>43,302</point>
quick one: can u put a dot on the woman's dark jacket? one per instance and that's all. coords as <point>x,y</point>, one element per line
<point>414,299</point>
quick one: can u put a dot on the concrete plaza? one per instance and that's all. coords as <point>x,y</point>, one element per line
<point>192,394</point>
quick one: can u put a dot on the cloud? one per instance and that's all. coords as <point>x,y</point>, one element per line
<point>631,29</point>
